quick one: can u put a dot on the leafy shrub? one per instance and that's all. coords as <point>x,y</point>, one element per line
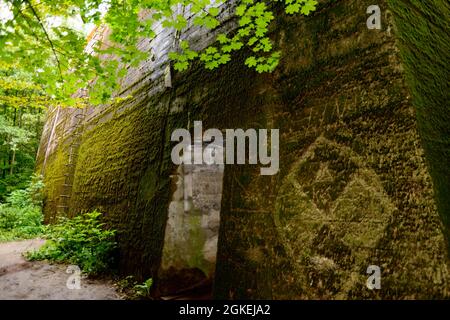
<point>21,214</point>
<point>143,290</point>
<point>23,220</point>
<point>81,240</point>
<point>133,290</point>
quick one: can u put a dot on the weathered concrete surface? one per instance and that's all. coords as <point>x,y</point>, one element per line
<point>353,189</point>
<point>192,227</point>
<point>424,42</point>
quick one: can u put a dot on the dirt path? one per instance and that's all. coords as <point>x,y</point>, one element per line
<point>20,279</point>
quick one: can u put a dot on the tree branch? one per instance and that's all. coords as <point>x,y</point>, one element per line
<point>46,35</point>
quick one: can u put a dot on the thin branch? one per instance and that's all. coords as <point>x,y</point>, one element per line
<point>46,35</point>
<point>29,25</point>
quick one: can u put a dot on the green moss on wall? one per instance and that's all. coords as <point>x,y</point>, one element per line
<point>56,167</point>
<point>118,174</point>
<point>353,189</point>
<point>423,28</point>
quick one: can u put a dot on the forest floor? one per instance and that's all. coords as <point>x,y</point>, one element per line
<point>24,280</point>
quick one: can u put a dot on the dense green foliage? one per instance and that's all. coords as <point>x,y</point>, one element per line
<point>48,38</point>
<point>82,240</point>
<point>21,214</point>
<point>21,121</point>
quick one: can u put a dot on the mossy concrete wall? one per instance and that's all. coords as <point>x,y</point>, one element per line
<point>353,188</point>
<point>423,29</point>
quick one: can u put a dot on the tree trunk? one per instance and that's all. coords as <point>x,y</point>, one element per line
<point>13,159</point>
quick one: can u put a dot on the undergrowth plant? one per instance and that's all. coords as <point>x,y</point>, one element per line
<point>134,290</point>
<point>21,214</point>
<point>82,240</point>
<point>143,290</point>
